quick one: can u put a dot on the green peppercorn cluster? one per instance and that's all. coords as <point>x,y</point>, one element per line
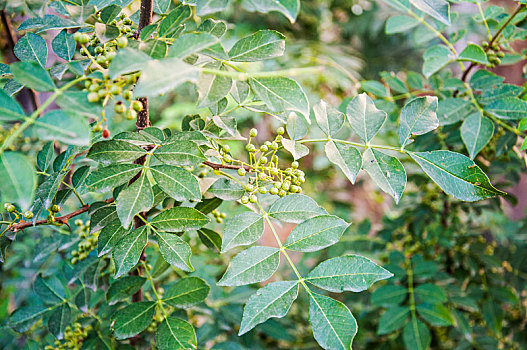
<point>88,241</point>
<point>73,338</point>
<point>494,54</point>
<point>158,317</point>
<point>11,209</point>
<point>265,174</point>
<point>218,216</point>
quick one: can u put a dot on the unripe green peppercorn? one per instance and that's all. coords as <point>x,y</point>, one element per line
<point>137,106</point>
<point>253,198</point>
<point>226,149</point>
<point>242,172</point>
<point>264,148</point>
<point>55,208</point>
<point>10,208</point>
<point>119,108</point>
<point>280,131</point>
<point>253,132</point>
<point>131,114</point>
<point>273,191</point>
<point>294,165</point>
<point>122,42</point>
<point>93,97</point>
<point>28,214</point>
<point>245,199</point>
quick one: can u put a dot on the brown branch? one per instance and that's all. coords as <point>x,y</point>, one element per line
<point>216,166</point>
<point>11,41</point>
<point>145,16</point>
<point>60,220</point>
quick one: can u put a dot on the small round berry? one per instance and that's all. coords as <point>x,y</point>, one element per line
<point>131,114</point>
<point>245,199</point>
<point>282,193</point>
<point>274,145</point>
<point>226,149</point>
<point>55,208</point>
<point>127,95</point>
<point>110,55</point>
<point>119,108</point>
<point>99,50</point>
<point>242,172</point>
<point>81,38</point>
<point>122,42</point>
<point>115,90</point>
<point>279,138</point>
<point>264,148</point>
<point>10,208</point>
<point>78,222</point>
<point>101,59</point>
<point>97,128</point>
<point>28,214</point>
<point>227,158</point>
<point>250,148</point>
<point>280,130</point>
<point>249,188</point>
<point>253,198</point>
<point>274,171</point>
<point>294,165</point>
<point>253,132</point>
<point>93,97</point>
<point>273,191</point>
<point>105,133</point>
<point>263,160</point>
<point>102,93</point>
<point>137,106</point>
<point>262,190</point>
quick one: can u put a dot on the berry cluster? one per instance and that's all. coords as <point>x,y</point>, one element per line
<point>73,338</point>
<point>218,216</point>
<point>88,242</point>
<point>494,54</point>
<point>263,163</point>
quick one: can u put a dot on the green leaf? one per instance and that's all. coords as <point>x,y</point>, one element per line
<point>154,48</point>
<point>76,103</point>
<point>174,250</point>
<point>436,57</point>
<point>127,60</point>
<point>63,127</point>
<point>18,179</point>
<point>389,295</point>
<point>191,43</point>
<point>483,79</point>
<point>172,21</point>
<point>133,319</point>
<point>253,265</point>
<point>178,183</point>
<point>262,45</point>
<point>59,319</point>
<point>281,94</point>
<point>123,288</point>
<point>510,108</point>
<point>393,319</point>
<point>438,9</point>
<point>435,314</point>
<point>243,229</point>
<point>374,87</point>
<point>346,157</point>
<point>416,335</point>
<point>114,151</point>
<point>451,110</point>
<point>365,119</point>
<point>134,199</point>
<point>226,189</point>
<point>273,300</point>
<point>44,156</point>
<point>329,119</point>
<point>26,316</point>
<point>296,127</point>
<point>288,8</point>
<point>49,289</point>
<point>214,27</point>
<point>106,32</point>
<point>175,334</point>
<point>32,75</point>
<point>456,174</point>
<point>32,48</point>
<point>128,250</point>
<point>106,178</point>
<point>386,171</point>
<point>159,77</point>
<point>296,149</point>
<point>64,45</point>
<point>316,233</point>
<point>349,272</point>
<point>401,5</point>
<point>186,292</point>
<point>210,238</point>
<point>295,208</point>
<point>110,235</point>
<point>400,24</point>
<point>417,118</point>
<point>179,219</point>
<point>476,132</point>
<point>473,53</point>
<point>430,293</point>
<point>498,92</point>
<point>183,153</point>
<point>493,315</point>
<point>334,327</point>
<point>212,87</point>
<point>10,110</point>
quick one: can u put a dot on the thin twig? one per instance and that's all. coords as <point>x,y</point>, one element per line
<point>226,166</point>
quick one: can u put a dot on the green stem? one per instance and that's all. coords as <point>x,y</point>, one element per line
<point>410,273</point>
<point>74,192</point>
<point>159,299</point>
<point>356,144</point>
<point>482,14</point>
<point>29,121</point>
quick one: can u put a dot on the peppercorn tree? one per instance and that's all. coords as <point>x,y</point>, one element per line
<point>142,264</point>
